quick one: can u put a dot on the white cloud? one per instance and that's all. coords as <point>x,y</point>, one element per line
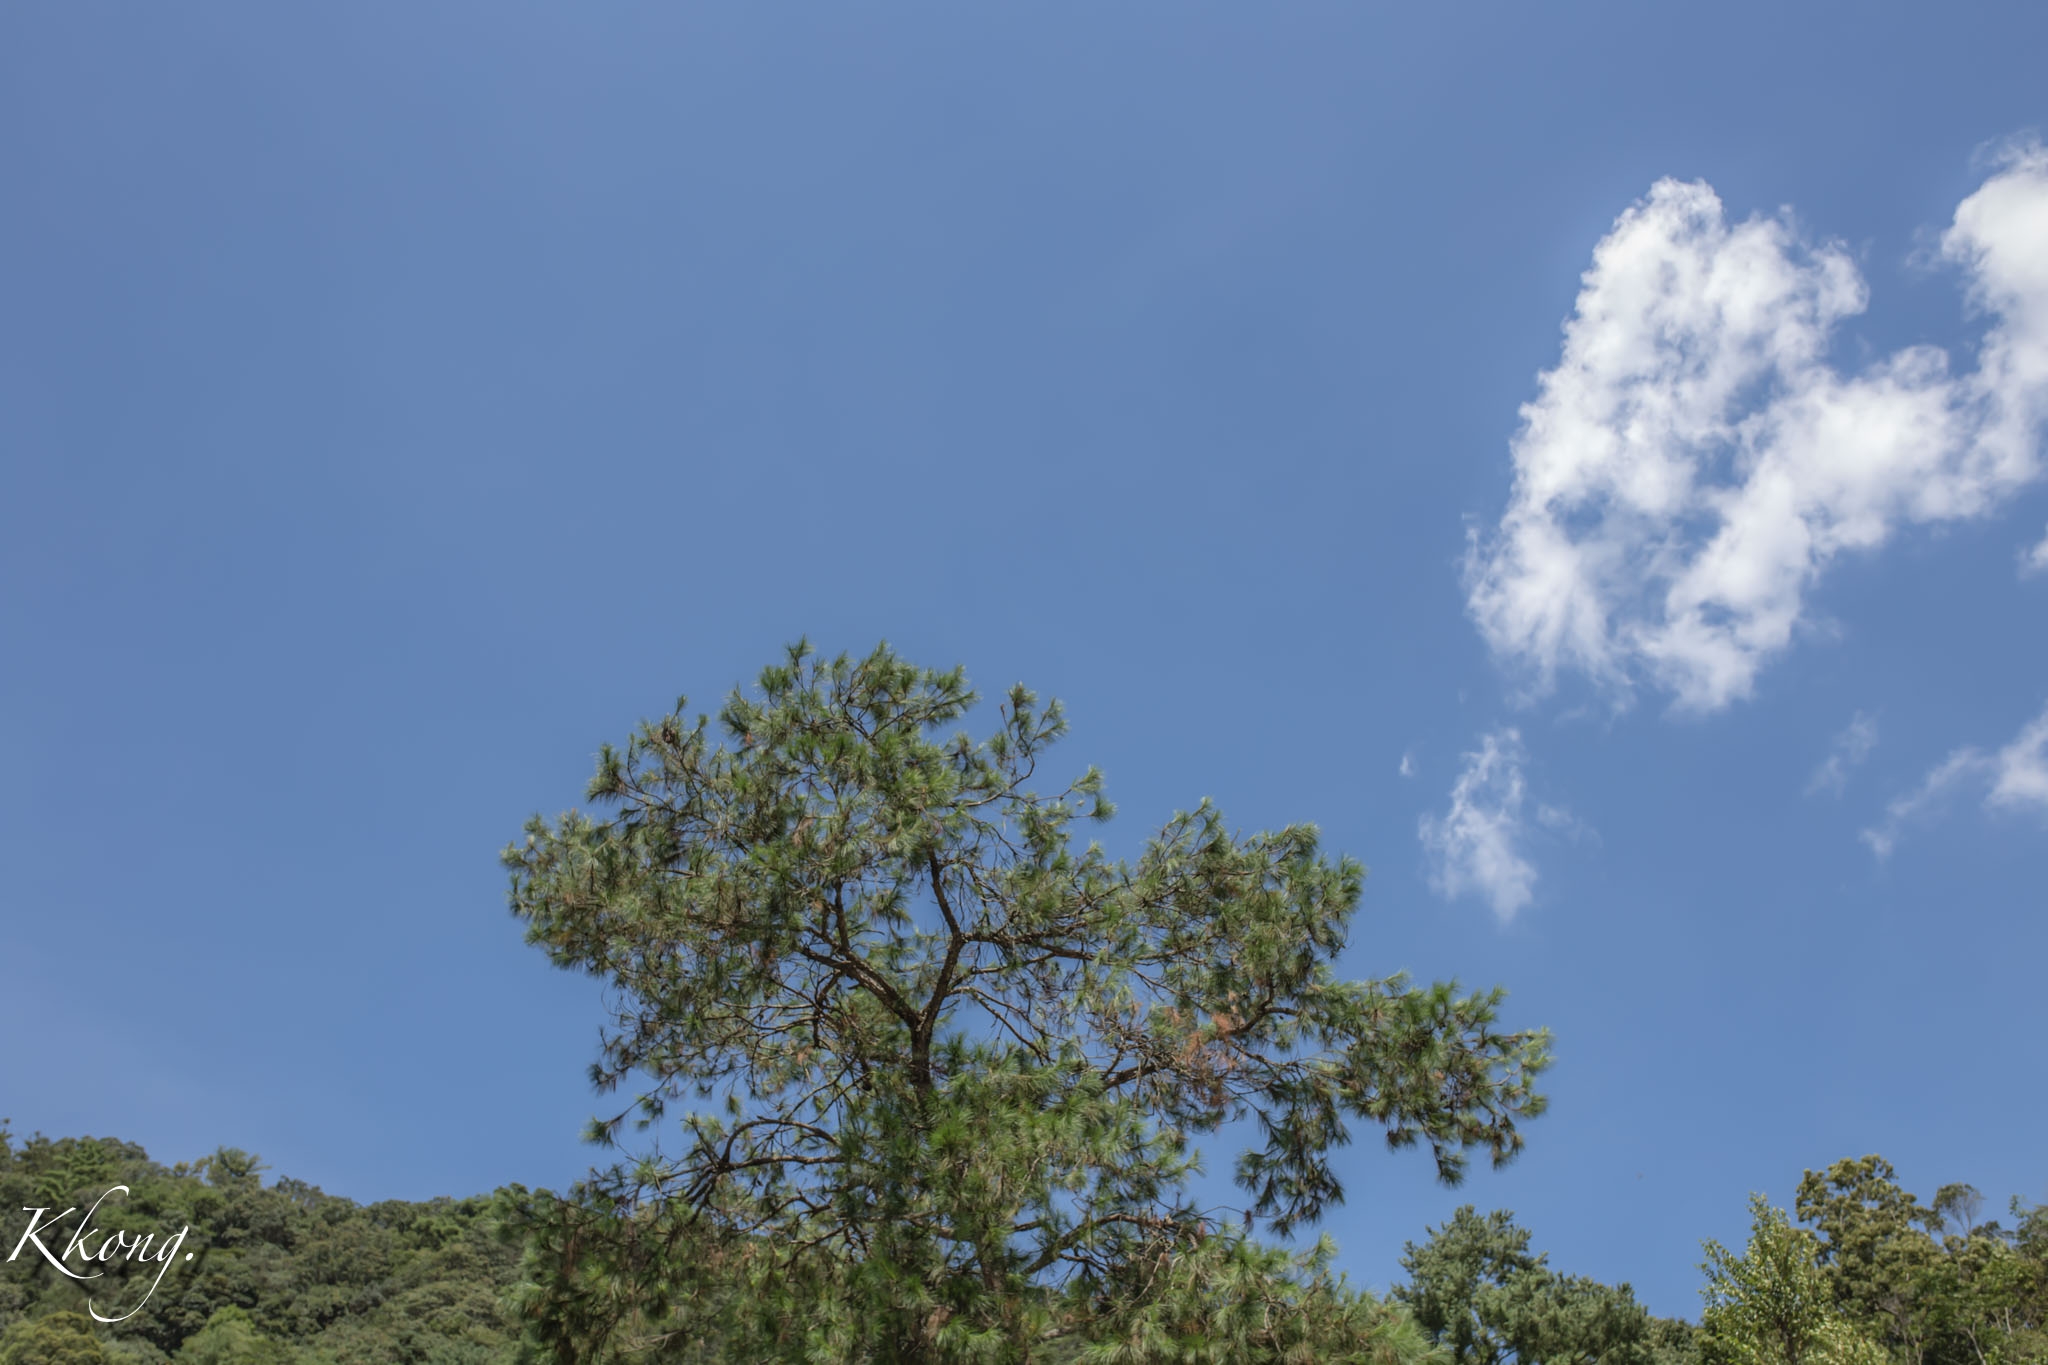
<point>1694,463</point>
<point>1408,764</point>
<point>2014,777</point>
<point>1851,747</point>
<point>1563,823</point>
<point>1474,847</point>
<point>2036,559</point>
<point>2020,769</point>
<point>1928,796</point>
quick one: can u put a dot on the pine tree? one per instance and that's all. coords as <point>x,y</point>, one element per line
<point>945,1065</point>
<point>1480,1293</point>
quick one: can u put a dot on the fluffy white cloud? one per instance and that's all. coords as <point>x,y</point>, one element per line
<point>2015,777</point>
<point>1476,845</point>
<point>1694,462</point>
<point>1851,747</point>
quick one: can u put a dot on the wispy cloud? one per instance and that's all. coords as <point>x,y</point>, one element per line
<point>1694,462</point>
<point>1851,747</point>
<point>1475,846</point>
<point>1563,823</point>
<point>2035,560</point>
<point>1923,800</point>
<point>1408,764</point>
<point>2013,778</point>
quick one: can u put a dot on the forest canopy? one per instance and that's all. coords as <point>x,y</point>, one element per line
<point>281,1274</point>
<point>286,1275</point>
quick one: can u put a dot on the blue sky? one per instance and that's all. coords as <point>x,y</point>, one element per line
<point>1331,404</point>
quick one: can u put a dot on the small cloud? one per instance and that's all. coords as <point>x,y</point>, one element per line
<point>1851,747</point>
<point>1563,823</point>
<point>1474,846</point>
<point>2035,560</point>
<point>1924,800</point>
<point>1408,764</point>
<point>2020,769</point>
<point>2015,776</point>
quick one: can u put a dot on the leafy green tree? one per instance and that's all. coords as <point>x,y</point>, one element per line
<point>1774,1305</point>
<point>233,1168</point>
<point>1878,1251</point>
<point>1934,1282</point>
<point>2018,1315</point>
<point>1974,1301</point>
<point>1674,1341</point>
<point>83,1174</point>
<point>955,1059</point>
<point>1482,1295</point>
<point>58,1339</point>
<point>230,1338</point>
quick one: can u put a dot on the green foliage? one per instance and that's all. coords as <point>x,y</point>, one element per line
<point>1457,1283</point>
<point>231,1168</point>
<point>230,1338</point>
<point>295,1277</point>
<point>59,1339</point>
<point>1479,1293</point>
<point>958,1060</point>
<point>1231,1299</point>
<point>1930,1282</point>
<point>84,1170</point>
<point>280,1274</point>
<point>1674,1341</point>
<point>1773,1304</point>
<point>1877,1249</point>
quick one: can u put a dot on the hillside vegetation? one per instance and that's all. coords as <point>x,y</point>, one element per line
<point>281,1274</point>
<point>284,1274</point>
